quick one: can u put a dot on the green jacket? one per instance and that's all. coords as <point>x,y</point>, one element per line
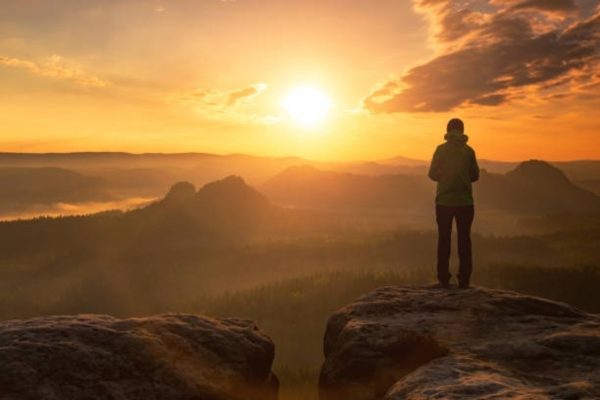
<point>454,167</point>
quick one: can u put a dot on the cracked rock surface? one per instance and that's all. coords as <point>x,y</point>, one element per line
<point>168,356</point>
<point>428,343</point>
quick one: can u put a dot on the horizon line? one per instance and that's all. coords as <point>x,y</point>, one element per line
<point>206,154</point>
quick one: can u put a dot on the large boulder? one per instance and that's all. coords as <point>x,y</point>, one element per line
<point>169,356</point>
<point>429,343</point>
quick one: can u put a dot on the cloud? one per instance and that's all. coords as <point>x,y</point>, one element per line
<point>490,57</point>
<point>245,94</point>
<point>55,67</point>
<point>222,105</point>
<point>545,5</point>
<point>224,98</point>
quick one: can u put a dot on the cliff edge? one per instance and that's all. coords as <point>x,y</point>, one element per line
<point>428,343</point>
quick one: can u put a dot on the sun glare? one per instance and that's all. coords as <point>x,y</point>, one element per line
<point>307,106</point>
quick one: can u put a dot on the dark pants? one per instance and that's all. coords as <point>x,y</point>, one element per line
<point>464,219</point>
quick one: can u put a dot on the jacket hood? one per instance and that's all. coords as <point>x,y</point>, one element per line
<point>456,137</point>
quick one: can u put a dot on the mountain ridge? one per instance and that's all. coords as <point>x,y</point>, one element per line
<point>533,186</point>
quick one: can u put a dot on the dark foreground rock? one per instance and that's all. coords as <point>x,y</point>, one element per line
<point>169,356</point>
<point>426,343</point>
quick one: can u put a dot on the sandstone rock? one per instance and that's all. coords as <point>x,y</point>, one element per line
<point>169,356</point>
<point>429,343</point>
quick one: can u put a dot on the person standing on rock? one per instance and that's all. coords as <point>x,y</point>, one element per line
<point>454,167</point>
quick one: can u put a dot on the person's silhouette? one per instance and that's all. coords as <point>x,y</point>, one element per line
<point>454,167</point>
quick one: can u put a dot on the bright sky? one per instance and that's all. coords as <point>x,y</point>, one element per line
<point>214,76</point>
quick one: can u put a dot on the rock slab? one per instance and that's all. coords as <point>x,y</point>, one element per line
<point>168,356</point>
<point>432,343</point>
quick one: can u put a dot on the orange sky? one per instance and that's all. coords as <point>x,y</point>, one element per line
<point>210,76</point>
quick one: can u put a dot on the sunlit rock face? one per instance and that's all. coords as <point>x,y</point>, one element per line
<point>427,343</point>
<point>169,356</point>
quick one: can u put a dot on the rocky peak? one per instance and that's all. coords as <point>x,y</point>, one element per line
<point>181,192</point>
<point>538,171</point>
<point>229,183</point>
<point>425,343</point>
<point>231,196</point>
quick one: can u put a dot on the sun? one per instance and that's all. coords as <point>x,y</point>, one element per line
<point>307,106</point>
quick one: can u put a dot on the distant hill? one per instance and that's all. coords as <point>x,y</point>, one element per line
<point>536,187</point>
<point>374,168</point>
<point>228,196</point>
<point>34,184</point>
<point>307,186</point>
<point>133,182</point>
<point>497,167</point>
<point>532,187</point>
<point>418,165</point>
<point>116,179</point>
<point>398,165</point>
<point>401,160</point>
<point>198,168</point>
<point>224,212</point>
<point>224,209</point>
<point>585,173</point>
<point>20,187</point>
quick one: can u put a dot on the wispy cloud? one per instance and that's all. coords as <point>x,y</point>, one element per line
<point>215,98</point>
<point>226,105</point>
<point>491,52</point>
<point>245,94</point>
<point>56,67</point>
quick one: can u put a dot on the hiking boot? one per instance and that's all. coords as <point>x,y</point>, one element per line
<point>463,285</point>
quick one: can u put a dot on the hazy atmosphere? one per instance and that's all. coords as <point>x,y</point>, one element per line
<point>274,161</point>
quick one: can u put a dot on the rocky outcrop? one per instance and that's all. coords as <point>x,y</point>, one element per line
<point>181,192</point>
<point>169,356</point>
<point>429,343</point>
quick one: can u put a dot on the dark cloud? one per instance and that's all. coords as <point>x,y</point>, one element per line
<point>548,5</point>
<point>491,100</point>
<point>494,57</point>
<point>458,24</point>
